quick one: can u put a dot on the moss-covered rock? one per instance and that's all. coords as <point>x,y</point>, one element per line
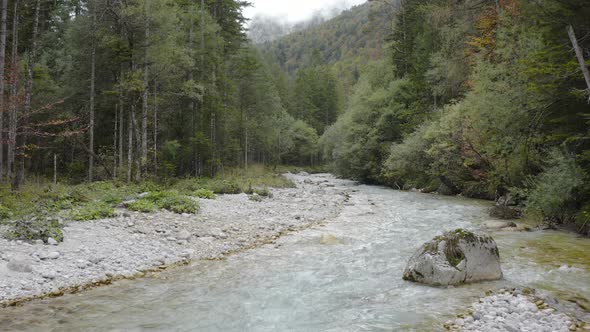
<point>454,258</point>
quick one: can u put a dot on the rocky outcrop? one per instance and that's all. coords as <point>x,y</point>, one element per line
<point>455,258</point>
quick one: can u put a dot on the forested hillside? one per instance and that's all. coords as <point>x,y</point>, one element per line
<point>484,98</point>
<point>135,89</point>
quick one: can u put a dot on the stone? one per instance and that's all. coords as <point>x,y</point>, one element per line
<point>52,242</point>
<point>50,255</point>
<point>455,258</point>
<point>329,240</point>
<point>183,235</point>
<point>19,265</point>
<point>39,242</point>
<point>49,275</point>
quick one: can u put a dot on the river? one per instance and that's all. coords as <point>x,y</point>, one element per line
<point>300,284</point>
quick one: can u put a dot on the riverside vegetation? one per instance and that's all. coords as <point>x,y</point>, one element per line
<point>485,99</point>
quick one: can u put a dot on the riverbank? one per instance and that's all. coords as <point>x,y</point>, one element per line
<point>98,252</point>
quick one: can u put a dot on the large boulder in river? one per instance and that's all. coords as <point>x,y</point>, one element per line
<point>455,258</point>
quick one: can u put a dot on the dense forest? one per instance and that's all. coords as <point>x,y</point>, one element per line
<point>96,90</point>
<point>484,98</point>
<point>487,99</point>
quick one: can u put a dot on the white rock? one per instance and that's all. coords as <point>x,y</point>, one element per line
<point>51,241</point>
<point>479,260</point>
<point>19,265</point>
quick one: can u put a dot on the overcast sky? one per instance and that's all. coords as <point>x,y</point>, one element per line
<point>295,10</point>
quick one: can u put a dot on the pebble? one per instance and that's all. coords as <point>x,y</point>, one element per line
<point>512,312</point>
<point>52,242</point>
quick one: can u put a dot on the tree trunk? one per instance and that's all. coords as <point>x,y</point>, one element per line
<point>155,128</point>
<point>2,82</point>
<point>92,95</point>
<point>13,96</point>
<point>129,146</point>
<point>144,110</point>
<point>28,95</point>
<point>121,120</point>
<point>115,131</point>
<point>580,56</point>
<point>138,143</point>
<point>192,102</point>
<point>246,143</point>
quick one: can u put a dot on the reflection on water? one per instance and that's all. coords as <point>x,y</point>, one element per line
<point>304,285</point>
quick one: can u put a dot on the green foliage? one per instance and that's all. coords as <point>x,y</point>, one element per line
<point>554,192</point>
<point>204,193</point>
<point>93,211</point>
<point>169,200</point>
<point>142,205</point>
<point>35,228</point>
<point>5,213</point>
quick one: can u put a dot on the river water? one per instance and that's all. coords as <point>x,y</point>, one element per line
<point>300,284</point>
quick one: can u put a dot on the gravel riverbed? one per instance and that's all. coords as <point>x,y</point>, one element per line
<point>100,251</point>
<point>514,311</point>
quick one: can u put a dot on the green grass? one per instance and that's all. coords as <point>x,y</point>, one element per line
<point>93,211</point>
<point>98,200</point>
<point>235,181</point>
<point>169,200</point>
<point>204,193</point>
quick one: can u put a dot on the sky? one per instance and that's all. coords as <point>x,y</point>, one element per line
<point>295,10</point>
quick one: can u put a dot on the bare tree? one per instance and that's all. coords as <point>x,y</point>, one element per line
<point>580,56</point>
<point>2,81</point>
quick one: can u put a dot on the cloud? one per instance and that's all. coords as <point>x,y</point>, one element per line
<point>290,11</point>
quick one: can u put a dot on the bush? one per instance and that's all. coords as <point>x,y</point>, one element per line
<point>142,205</point>
<point>36,229</point>
<point>204,193</point>
<point>180,204</point>
<point>225,187</point>
<point>264,192</point>
<point>93,211</point>
<point>5,213</point>
<point>168,200</point>
<point>553,194</point>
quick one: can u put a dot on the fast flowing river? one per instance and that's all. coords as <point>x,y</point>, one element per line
<point>300,284</point>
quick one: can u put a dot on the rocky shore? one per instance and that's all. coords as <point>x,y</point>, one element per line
<point>514,311</point>
<point>98,252</point>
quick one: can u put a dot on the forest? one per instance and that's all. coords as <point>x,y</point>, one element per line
<point>483,98</point>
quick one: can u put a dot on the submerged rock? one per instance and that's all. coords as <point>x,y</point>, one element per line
<point>330,240</point>
<point>455,258</point>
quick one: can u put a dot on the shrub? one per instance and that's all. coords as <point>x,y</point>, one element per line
<point>36,229</point>
<point>204,193</point>
<point>179,204</point>
<point>5,213</point>
<point>93,211</point>
<point>553,193</point>
<point>168,200</point>
<point>264,192</point>
<point>142,205</point>
<point>225,187</point>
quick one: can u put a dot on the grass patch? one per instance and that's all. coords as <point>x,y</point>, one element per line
<point>204,193</point>
<point>169,200</point>
<point>236,181</point>
<point>142,205</point>
<point>93,211</point>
